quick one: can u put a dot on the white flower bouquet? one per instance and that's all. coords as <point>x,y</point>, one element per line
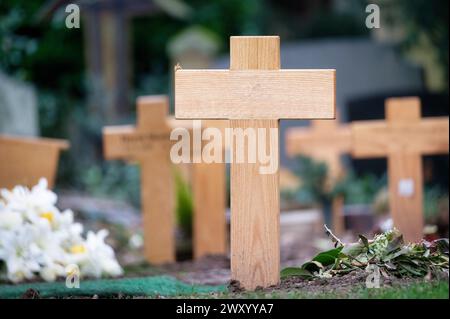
<point>38,240</point>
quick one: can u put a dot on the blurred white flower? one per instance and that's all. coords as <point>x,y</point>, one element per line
<point>9,220</point>
<point>36,239</point>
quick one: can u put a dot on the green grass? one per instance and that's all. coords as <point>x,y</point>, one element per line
<point>434,290</point>
<point>417,290</point>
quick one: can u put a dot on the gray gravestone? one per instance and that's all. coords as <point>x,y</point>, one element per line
<point>18,107</point>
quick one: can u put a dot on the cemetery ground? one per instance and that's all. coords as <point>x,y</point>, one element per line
<point>208,277</point>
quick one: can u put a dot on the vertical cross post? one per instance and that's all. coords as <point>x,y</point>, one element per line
<point>255,225</point>
<point>405,168</point>
<point>209,192</point>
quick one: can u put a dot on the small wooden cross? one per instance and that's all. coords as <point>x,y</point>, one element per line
<point>149,145</point>
<point>254,94</point>
<point>325,141</point>
<point>24,160</point>
<point>403,138</point>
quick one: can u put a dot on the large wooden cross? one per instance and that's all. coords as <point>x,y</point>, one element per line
<point>149,145</point>
<point>254,94</point>
<point>24,160</point>
<point>403,138</point>
<point>325,141</point>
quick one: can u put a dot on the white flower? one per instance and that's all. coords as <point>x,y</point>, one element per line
<point>52,271</point>
<point>23,200</point>
<point>9,220</point>
<point>37,239</point>
<point>95,257</point>
<point>20,254</point>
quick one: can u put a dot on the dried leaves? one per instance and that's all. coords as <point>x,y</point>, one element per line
<point>387,251</point>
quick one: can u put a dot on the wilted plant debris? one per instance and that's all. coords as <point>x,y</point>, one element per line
<point>387,251</point>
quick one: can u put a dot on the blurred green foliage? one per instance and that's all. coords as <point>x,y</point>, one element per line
<point>435,203</point>
<point>360,189</point>
<point>102,181</point>
<point>425,25</point>
<point>184,205</point>
<point>314,189</point>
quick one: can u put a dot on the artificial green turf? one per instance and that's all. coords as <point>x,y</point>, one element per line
<point>147,286</point>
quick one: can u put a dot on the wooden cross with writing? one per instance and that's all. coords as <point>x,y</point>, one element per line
<point>24,160</point>
<point>325,141</point>
<point>254,94</point>
<point>403,138</point>
<point>149,145</point>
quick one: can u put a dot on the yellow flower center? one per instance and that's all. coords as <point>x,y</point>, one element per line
<point>78,249</point>
<point>47,215</point>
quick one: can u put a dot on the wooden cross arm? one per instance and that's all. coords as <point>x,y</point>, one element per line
<point>302,140</point>
<point>113,146</point>
<point>255,94</point>
<point>49,142</point>
<point>377,138</point>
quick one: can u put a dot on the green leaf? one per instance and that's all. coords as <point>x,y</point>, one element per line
<point>295,272</point>
<point>328,257</point>
<point>325,259</point>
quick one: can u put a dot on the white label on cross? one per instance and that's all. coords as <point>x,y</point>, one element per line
<point>406,187</point>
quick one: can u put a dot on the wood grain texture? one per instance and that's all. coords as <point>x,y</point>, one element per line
<point>403,139</point>
<point>251,94</point>
<point>149,144</point>
<point>23,161</point>
<point>255,230</point>
<point>255,198</point>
